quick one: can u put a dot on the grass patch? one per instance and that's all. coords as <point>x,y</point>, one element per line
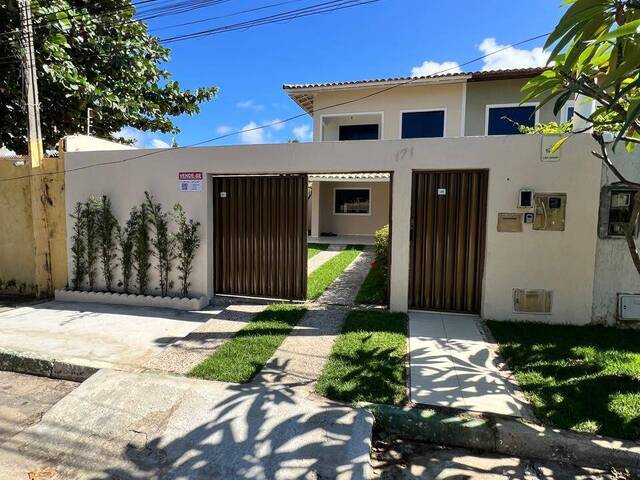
<point>580,378</point>
<point>315,248</point>
<point>241,358</point>
<point>374,289</point>
<point>325,275</point>
<point>367,363</point>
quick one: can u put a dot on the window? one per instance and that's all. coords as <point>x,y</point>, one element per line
<point>504,120</point>
<point>352,201</point>
<point>423,124</point>
<point>567,112</point>
<point>358,132</point>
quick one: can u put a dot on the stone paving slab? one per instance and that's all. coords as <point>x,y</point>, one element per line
<point>182,356</point>
<point>142,426</point>
<point>452,365</point>
<point>321,258</point>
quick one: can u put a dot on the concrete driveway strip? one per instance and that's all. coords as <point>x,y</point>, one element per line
<point>93,335</point>
<point>141,426</point>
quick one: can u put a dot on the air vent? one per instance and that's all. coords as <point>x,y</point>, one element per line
<point>531,301</point>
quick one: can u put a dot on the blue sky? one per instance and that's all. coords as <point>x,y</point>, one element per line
<point>388,38</point>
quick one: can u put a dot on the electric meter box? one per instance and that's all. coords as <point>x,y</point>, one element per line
<point>550,210</point>
<point>628,307</point>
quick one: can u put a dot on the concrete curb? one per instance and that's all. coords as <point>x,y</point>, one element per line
<point>506,435</point>
<point>43,366</point>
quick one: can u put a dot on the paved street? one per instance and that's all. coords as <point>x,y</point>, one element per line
<point>25,398</point>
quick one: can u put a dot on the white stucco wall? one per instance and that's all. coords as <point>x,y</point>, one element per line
<point>560,261</point>
<point>614,269</point>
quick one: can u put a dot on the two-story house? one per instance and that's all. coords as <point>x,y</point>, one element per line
<point>353,206</point>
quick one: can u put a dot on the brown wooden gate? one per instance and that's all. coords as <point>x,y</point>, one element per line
<point>448,218</point>
<point>260,236</point>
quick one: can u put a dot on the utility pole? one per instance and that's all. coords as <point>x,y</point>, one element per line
<point>31,83</point>
<point>37,181</point>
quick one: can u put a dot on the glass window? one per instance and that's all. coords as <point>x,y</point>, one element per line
<point>423,124</point>
<point>358,132</point>
<point>352,201</point>
<point>505,120</point>
<point>570,111</point>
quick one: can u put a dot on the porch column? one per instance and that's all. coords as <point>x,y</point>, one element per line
<point>315,209</point>
<point>400,237</point>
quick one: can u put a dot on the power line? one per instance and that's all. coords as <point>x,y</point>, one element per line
<point>289,119</point>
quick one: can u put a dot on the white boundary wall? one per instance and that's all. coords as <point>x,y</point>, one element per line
<point>559,261</point>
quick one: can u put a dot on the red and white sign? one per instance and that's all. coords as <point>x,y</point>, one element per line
<point>190,181</point>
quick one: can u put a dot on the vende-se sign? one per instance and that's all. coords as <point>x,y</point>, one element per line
<point>190,181</point>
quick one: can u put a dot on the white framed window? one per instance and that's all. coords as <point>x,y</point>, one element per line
<point>504,119</point>
<point>424,123</point>
<point>568,109</point>
<point>352,201</point>
<point>351,126</point>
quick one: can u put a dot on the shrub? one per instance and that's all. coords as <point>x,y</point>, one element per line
<point>382,245</point>
<point>91,225</point>
<point>163,241</point>
<point>125,239</point>
<point>107,228</point>
<point>78,248</point>
<point>141,252</point>
<point>187,244</point>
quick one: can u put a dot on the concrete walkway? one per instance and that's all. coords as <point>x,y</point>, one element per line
<point>452,365</point>
<point>344,289</point>
<point>323,257</point>
<point>131,425</point>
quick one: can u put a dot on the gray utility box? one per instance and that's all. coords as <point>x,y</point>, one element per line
<point>628,306</point>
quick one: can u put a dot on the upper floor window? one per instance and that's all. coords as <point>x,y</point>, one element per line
<point>358,132</point>
<point>506,119</point>
<point>567,112</point>
<point>423,124</point>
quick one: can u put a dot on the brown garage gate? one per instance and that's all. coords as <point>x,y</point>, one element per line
<point>449,210</point>
<point>260,236</point>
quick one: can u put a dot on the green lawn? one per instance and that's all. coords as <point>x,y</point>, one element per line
<point>315,248</point>
<point>241,358</point>
<point>324,276</point>
<point>374,289</point>
<point>581,378</point>
<point>367,363</point>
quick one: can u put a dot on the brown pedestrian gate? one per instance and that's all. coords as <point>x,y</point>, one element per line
<point>448,218</point>
<point>260,236</point>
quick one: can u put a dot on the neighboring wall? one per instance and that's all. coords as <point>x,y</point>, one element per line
<point>17,237</point>
<point>614,269</point>
<point>354,224</point>
<point>560,261</point>
<point>481,94</point>
<point>421,97</point>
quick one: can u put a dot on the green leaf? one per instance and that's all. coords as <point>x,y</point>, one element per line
<point>631,28</point>
<point>558,144</point>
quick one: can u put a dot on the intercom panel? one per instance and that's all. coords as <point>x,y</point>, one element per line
<point>550,211</point>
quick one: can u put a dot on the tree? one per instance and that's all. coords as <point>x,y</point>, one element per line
<point>90,55</point>
<point>595,53</point>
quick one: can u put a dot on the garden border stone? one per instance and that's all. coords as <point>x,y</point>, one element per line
<point>43,366</point>
<point>505,435</point>
<point>115,298</point>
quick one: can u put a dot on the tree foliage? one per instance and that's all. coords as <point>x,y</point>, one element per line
<point>595,54</point>
<point>90,55</point>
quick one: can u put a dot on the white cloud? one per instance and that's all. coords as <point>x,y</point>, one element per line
<point>303,133</point>
<point>252,134</point>
<point>223,129</point>
<point>511,57</point>
<point>275,124</point>
<point>506,57</point>
<point>157,143</point>
<point>430,68</point>
<point>250,104</point>
<point>142,139</point>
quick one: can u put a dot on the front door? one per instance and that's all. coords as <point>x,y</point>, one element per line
<point>448,218</point>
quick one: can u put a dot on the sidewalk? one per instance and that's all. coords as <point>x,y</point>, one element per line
<point>452,365</point>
